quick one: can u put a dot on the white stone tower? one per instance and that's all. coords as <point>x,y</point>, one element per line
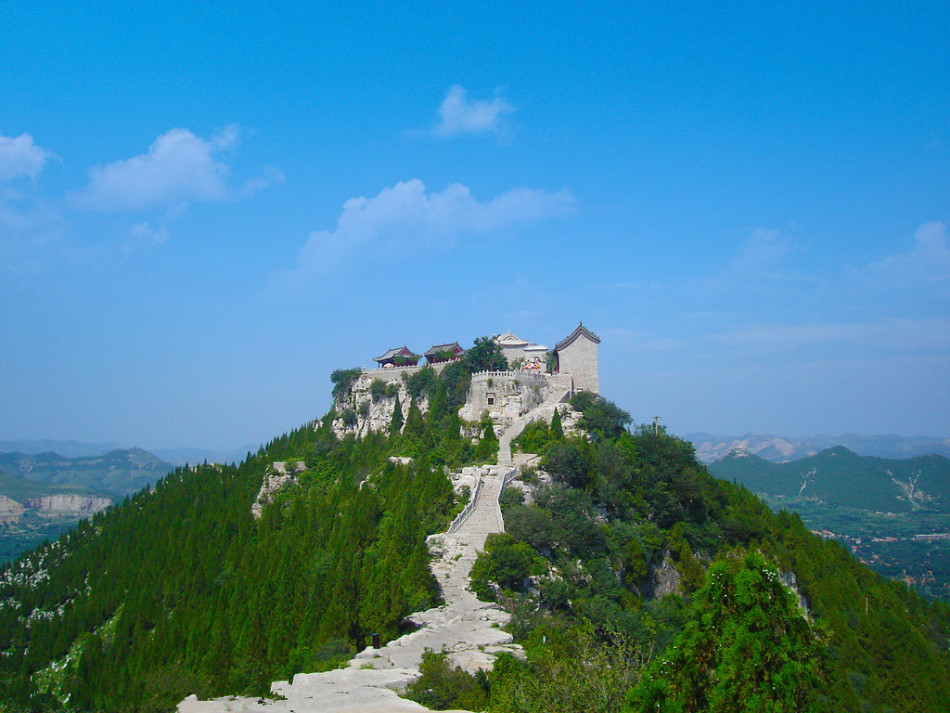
<point>577,356</point>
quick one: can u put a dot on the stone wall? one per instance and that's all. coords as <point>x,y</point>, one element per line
<point>504,394</point>
<point>395,373</point>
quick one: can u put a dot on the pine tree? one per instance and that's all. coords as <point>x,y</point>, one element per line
<point>746,647</point>
<point>488,445</point>
<point>415,424</point>
<point>395,425</point>
<point>557,431</point>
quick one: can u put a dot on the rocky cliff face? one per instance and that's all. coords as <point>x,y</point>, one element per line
<point>278,475</point>
<point>65,505</point>
<point>10,510</point>
<point>373,412</point>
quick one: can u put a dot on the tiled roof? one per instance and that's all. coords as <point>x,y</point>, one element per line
<point>510,340</point>
<point>579,331</point>
<point>450,347</point>
<point>394,352</point>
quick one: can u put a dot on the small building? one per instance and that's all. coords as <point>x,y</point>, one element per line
<point>576,355</point>
<point>439,353</point>
<point>512,347</point>
<point>397,356</point>
<point>520,353</point>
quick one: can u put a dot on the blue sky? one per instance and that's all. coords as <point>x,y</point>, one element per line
<point>205,210</point>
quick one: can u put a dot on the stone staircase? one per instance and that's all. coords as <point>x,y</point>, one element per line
<point>469,630</point>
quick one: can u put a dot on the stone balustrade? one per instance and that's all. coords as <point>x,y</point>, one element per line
<point>467,510</point>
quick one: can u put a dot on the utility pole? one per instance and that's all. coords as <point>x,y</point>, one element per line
<point>656,429</point>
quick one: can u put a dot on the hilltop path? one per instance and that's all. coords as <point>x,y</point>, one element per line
<point>468,629</point>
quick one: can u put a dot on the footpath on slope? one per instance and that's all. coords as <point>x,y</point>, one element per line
<point>469,630</point>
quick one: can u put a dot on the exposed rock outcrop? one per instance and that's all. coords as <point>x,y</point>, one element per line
<point>277,476</point>
<point>10,510</point>
<point>68,505</point>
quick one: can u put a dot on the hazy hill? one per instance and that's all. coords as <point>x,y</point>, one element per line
<point>839,476</point>
<point>710,448</point>
<point>118,472</point>
<point>69,449</point>
<point>32,511</point>
<point>181,456</point>
<point>22,489</point>
<point>79,449</point>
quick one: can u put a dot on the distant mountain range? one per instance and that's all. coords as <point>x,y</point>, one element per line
<point>44,494</point>
<point>779,449</point>
<point>80,449</point>
<point>117,473</point>
<point>841,477</point>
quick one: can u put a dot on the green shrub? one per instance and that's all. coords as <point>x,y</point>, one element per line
<point>441,687</point>
<point>377,389</point>
<point>342,381</point>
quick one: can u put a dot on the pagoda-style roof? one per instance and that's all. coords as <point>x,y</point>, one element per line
<point>579,331</point>
<point>436,353</point>
<point>401,355</point>
<point>510,341</point>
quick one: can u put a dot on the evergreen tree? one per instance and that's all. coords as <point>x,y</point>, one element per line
<point>415,423</point>
<point>487,447</point>
<point>395,424</point>
<point>556,430</point>
<point>746,647</point>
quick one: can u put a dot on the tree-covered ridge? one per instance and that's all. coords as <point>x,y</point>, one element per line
<point>179,590</point>
<point>631,515</point>
<point>117,473</point>
<point>839,476</point>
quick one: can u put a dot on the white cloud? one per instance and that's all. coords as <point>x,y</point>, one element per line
<point>762,253</point>
<point>143,237</point>
<point>405,216</point>
<point>20,157</point>
<point>270,176</point>
<point>884,334</point>
<point>928,262</point>
<point>178,168</point>
<point>459,115</point>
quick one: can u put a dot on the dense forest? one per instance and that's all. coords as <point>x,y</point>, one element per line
<point>635,579</point>
<point>626,505</point>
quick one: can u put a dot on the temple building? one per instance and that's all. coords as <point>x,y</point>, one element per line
<point>571,365</point>
<point>397,356</point>
<point>522,354</point>
<point>439,353</point>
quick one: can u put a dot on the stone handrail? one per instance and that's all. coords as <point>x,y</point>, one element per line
<point>524,374</point>
<point>405,368</point>
<point>508,477</point>
<point>391,368</point>
<point>467,510</point>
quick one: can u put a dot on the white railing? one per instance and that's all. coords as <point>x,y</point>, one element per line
<point>527,375</point>
<point>387,369</point>
<point>508,477</point>
<point>467,510</point>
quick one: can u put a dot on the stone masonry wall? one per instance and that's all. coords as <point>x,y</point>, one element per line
<point>504,395</point>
